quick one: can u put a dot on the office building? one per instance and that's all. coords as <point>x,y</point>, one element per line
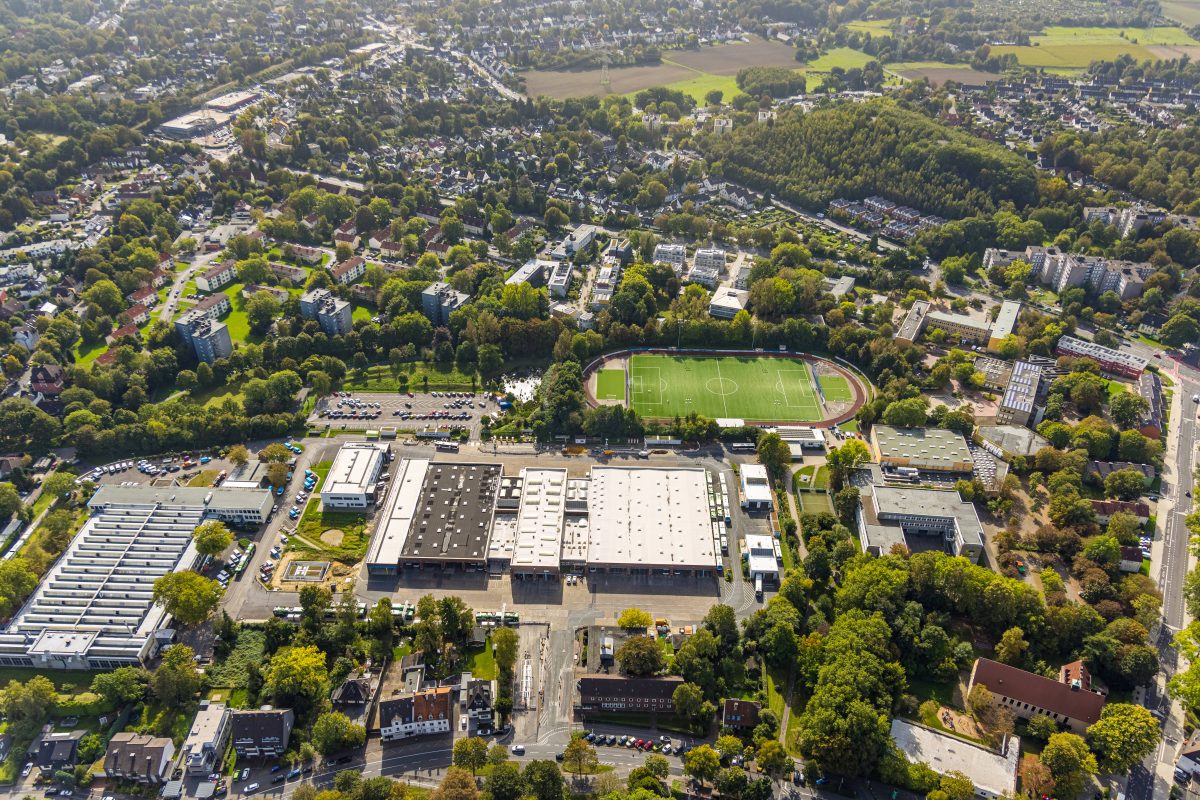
<point>727,302</point>
<point>756,488</point>
<point>918,519</point>
<point>350,484</point>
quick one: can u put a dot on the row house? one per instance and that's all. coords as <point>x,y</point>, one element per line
<point>423,713</point>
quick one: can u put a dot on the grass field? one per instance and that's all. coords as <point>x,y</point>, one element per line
<point>610,384</point>
<point>836,389</point>
<point>695,72</point>
<point>844,57</point>
<point>1080,46</point>
<point>875,27</point>
<point>750,388</point>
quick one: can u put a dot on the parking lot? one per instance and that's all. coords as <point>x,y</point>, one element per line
<point>409,411</point>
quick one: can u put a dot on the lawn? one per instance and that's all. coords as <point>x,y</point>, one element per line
<point>204,477</point>
<point>360,314</point>
<point>315,536</point>
<point>481,663</point>
<point>729,386</point>
<point>776,684</point>
<point>704,83</point>
<point>322,470</point>
<point>875,27</point>
<point>610,384</point>
<point>818,477</point>
<point>67,681</point>
<point>381,378</point>
<point>84,356</point>
<point>1115,388</point>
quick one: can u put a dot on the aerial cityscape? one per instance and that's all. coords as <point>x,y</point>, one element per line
<point>599,399</point>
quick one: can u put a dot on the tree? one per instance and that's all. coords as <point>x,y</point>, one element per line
<point>1012,646</point>
<point>635,619</point>
<point>580,757</point>
<point>1124,736</point>
<point>1178,331</point>
<point>176,680</point>
<point>470,753</point>
<point>956,786</point>
<point>238,455</point>
<point>297,677</point>
<point>458,784</point>
<point>545,780</point>
<point>262,309</point>
<point>31,701</point>
<point>688,700</point>
<point>1070,763</point>
<point>211,538</point>
<point>845,459</point>
<point>640,656</point>
<point>58,484</point>
<point>505,644</point>
<point>10,500</point>
<point>1041,727</point>
<point>731,782</point>
<point>775,455</point>
<point>909,413</point>
<point>122,685</point>
<point>505,782</point>
<point>772,758</point>
<point>1124,484</point>
<point>334,732</point>
<point>1127,409</point>
<point>187,596</point>
<point>728,746</point>
<point>702,763</point>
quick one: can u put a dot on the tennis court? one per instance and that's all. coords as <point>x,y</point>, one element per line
<point>836,389</point>
<point>610,384</point>
<point>753,388</point>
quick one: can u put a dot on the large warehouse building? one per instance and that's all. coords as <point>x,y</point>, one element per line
<point>94,609</point>
<point>350,484</point>
<point>618,520</point>
<point>932,449</point>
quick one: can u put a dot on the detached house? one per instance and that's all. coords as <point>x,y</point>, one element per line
<point>138,757</point>
<point>422,713</point>
<point>740,714</point>
<point>47,379</point>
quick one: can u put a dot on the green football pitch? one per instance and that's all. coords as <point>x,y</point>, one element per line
<point>836,389</point>
<point>610,384</point>
<point>747,388</point>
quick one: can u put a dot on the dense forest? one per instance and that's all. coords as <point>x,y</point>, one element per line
<point>854,151</point>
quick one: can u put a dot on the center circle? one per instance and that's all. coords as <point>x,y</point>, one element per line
<point>721,386</point>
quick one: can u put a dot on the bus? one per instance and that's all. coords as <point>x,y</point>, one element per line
<point>447,447</point>
<point>758,587</point>
<point>244,561</point>
<point>742,447</point>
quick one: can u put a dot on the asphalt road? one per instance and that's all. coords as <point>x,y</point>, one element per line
<point>1153,778</point>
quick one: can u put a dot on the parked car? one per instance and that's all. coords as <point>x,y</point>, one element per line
<point>251,788</point>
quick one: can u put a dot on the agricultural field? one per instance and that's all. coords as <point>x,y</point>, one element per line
<point>938,73</point>
<point>1075,47</point>
<point>749,388</point>
<point>695,72</point>
<point>1185,12</point>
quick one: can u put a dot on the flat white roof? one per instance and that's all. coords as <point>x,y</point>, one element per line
<point>96,602</point>
<point>650,517</point>
<point>760,553</point>
<point>990,771</point>
<point>354,469</point>
<point>539,532</point>
<point>1006,320</point>
<point>755,484</point>
<point>399,508</point>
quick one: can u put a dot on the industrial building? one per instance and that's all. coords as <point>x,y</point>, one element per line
<point>540,524</point>
<point>932,449</point>
<point>350,484</point>
<point>918,519</point>
<point>94,609</point>
<point>760,554</point>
